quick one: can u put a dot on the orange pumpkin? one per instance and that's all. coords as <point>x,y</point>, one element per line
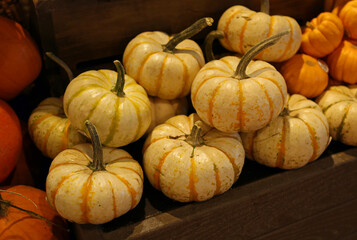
<point>322,35</point>
<point>348,16</point>
<point>20,225</point>
<point>20,61</point>
<point>10,140</point>
<point>342,62</point>
<point>305,75</point>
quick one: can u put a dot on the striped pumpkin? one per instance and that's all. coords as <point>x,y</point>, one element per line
<point>299,135</point>
<point>190,161</point>
<point>165,70</point>
<point>339,104</point>
<point>121,117</point>
<point>50,129</point>
<point>244,28</point>
<point>94,184</point>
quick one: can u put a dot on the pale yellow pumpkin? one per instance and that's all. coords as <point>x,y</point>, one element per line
<point>164,65</point>
<point>244,28</point>
<point>91,184</point>
<point>51,130</point>
<point>298,136</point>
<point>233,94</point>
<point>121,116</point>
<point>190,161</point>
<point>162,109</point>
<point>339,104</point>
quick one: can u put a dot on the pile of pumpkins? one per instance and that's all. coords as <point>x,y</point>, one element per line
<point>280,109</point>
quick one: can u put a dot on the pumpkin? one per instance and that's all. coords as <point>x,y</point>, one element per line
<point>298,136</point>
<point>164,65</point>
<point>348,16</point>
<point>50,129</point>
<point>10,140</point>
<point>94,184</point>
<point>112,101</point>
<point>229,99</point>
<point>42,222</point>
<point>342,62</point>
<point>244,28</point>
<point>20,62</point>
<point>162,109</point>
<point>305,75</point>
<point>339,104</point>
<point>190,161</point>
<point>322,35</point>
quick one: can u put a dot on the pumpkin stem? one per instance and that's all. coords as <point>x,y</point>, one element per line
<point>240,72</point>
<point>309,25</point>
<point>187,33</point>
<point>97,164</point>
<point>5,204</point>
<point>216,34</point>
<point>285,112</point>
<point>265,6</point>
<point>195,138</point>
<point>61,63</point>
<point>119,85</point>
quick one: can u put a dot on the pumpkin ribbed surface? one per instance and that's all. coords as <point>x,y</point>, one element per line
<point>167,75</point>
<point>82,195</point>
<point>322,35</point>
<point>51,130</point>
<point>119,120</point>
<point>339,104</point>
<point>186,173</point>
<point>296,137</point>
<point>348,16</point>
<point>232,105</point>
<point>244,28</point>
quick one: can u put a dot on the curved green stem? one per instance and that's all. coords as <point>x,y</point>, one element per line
<point>5,204</point>
<point>240,72</point>
<point>195,138</point>
<point>97,164</point>
<point>208,43</point>
<point>187,33</point>
<point>265,6</point>
<point>119,85</point>
<point>61,63</point>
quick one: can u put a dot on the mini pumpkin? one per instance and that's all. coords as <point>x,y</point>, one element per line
<point>94,184</point>
<point>164,65</point>
<point>342,62</point>
<point>51,130</point>
<point>162,109</point>
<point>34,220</point>
<point>322,35</point>
<point>339,104</point>
<point>233,94</point>
<point>298,136</point>
<point>118,106</point>
<point>244,28</point>
<point>305,75</point>
<point>348,16</point>
<point>190,161</point>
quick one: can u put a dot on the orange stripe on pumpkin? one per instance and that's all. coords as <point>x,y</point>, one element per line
<point>241,37</point>
<point>226,27</point>
<point>211,102</point>
<point>270,31</point>
<point>47,135</point>
<point>290,42</point>
<point>85,190</point>
<point>240,113</point>
<point>139,73</point>
<point>65,138</point>
<point>192,181</point>
<point>281,146</point>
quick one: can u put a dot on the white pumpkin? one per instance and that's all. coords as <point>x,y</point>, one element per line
<point>164,65</point>
<point>339,104</point>
<point>162,109</point>
<point>91,184</point>
<point>299,135</point>
<point>190,161</point>
<point>118,106</point>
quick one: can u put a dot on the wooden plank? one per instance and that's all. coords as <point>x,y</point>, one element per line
<point>334,223</point>
<point>250,210</point>
<point>84,31</point>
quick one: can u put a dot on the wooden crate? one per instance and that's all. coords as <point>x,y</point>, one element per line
<point>317,201</point>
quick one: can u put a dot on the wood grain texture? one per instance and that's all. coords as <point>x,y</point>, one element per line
<point>83,31</point>
<point>282,204</point>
